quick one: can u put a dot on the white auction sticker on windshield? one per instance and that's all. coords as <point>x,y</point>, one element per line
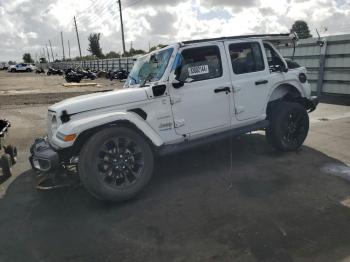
<point>198,70</point>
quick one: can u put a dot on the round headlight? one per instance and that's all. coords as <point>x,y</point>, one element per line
<point>302,78</point>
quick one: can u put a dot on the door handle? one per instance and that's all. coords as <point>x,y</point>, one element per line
<point>222,89</point>
<point>261,82</point>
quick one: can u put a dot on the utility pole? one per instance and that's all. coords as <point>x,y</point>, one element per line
<point>76,30</point>
<point>48,54</point>
<point>121,24</point>
<point>53,59</point>
<point>44,53</point>
<point>68,49</point>
<point>62,46</point>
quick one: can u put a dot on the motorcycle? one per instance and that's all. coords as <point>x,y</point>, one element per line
<point>53,71</point>
<point>76,75</point>
<point>119,74</point>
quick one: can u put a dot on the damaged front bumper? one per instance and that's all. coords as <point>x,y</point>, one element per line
<point>311,103</point>
<point>53,172</point>
<point>43,157</point>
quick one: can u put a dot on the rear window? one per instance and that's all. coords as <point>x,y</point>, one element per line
<point>246,58</point>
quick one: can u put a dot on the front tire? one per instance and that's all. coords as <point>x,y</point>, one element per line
<point>116,164</point>
<point>289,126</point>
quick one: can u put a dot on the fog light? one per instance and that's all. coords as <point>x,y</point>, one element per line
<point>302,78</point>
<point>41,164</point>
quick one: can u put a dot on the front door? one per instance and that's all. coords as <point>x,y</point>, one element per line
<point>203,102</point>
<point>250,78</point>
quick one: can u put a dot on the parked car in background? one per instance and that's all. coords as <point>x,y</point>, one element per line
<point>4,65</point>
<point>21,67</point>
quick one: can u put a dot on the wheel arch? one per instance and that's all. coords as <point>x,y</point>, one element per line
<point>280,91</point>
<point>130,120</point>
<point>285,92</point>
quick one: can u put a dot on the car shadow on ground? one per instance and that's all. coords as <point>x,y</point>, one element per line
<point>250,203</point>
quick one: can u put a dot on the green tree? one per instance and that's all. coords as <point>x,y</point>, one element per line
<point>85,58</point>
<point>302,29</point>
<point>156,47</point>
<point>12,62</point>
<point>133,52</point>
<point>42,60</point>
<point>112,54</point>
<point>94,45</point>
<point>27,58</point>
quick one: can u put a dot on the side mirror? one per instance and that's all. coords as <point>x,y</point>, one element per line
<point>158,90</point>
<point>177,84</point>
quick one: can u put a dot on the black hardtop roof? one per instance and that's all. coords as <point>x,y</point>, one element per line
<point>267,36</point>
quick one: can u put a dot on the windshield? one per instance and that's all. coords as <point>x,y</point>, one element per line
<point>149,68</point>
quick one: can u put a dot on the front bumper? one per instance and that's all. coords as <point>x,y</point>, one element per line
<point>310,103</point>
<point>43,157</point>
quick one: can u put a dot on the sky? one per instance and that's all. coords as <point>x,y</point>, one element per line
<point>27,25</point>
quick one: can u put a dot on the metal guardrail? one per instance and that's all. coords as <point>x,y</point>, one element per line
<point>328,65</point>
<point>100,64</point>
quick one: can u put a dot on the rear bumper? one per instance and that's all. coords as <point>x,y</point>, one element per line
<point>43,157</point>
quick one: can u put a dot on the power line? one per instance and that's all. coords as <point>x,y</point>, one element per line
<point>132,4</point>
<point>100,16</point>
<point>101,9</point>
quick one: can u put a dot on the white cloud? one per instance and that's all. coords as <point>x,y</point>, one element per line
<point>33,23</point>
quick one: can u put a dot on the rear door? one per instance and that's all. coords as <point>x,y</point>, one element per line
<point>203,103</point>
<point>250,78</point>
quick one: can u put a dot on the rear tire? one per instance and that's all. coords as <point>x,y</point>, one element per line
<point>13,70</point>
<point>289,126</point>
<point>6,165</point>
<point>116,164</point>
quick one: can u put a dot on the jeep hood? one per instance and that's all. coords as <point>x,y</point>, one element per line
<point>101,100</point>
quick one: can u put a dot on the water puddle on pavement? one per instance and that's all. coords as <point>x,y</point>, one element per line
<point>339,170</point>
<point>336,169</point>
<point>346,202</point>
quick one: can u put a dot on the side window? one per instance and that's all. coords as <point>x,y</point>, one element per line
<point>200,63</point>
<point>274,60</point>
<point>246,58</point>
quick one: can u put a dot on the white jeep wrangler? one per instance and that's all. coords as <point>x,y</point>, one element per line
<point>186,94</point>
